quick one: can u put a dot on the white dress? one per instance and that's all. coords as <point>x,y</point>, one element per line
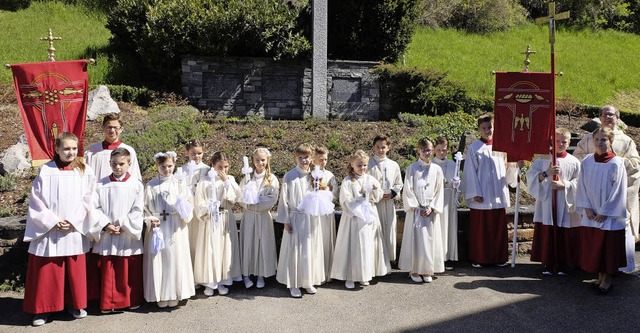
<point>301,263</point>
<point>485,175</point>
<point>257,238</point>
<point>59,195</point>
<point>422,251</point>
<point>328,223</point>
<point>387,173</point>
<point>98,157</point>
<point>192,180</point>
<point>450,209</point>
<point>217,256</point>
<point>168,274</point>
<point>359,254</point>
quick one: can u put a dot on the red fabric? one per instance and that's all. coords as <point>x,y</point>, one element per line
<point>602,251</point>
<point>121,285</point>
<point>487,142</point>
<point>52,97</point>
<point>604,158</point>
<point>93,276</point>
<point>523,122</point>
<point>566,244</point>
<point>53,282</point>
<point>488,238</point>
<point>63,166</point>
<point>562,155</point>
<point>110,146</point>
<point>114,179</point>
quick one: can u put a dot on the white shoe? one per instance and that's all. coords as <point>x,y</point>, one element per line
<point>295,292</point>
<point>365,283</point>
<point>162,304</point>
<point>134,307</point>
<point>208,291</point>
<point>260,282</point>
<point>415,278</point>
<point>427,278</point>
<point>311,290</point>
<point>107,311</point>
<point>349,284</point>
<point>173,304</point>
<point>79,313</point>
<point>247,282</point>
<point>476,265</point>
<point>222,290</point>
<point>40,319</point>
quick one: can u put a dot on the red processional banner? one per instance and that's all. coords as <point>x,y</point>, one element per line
<point>523,116</point>
<point>52,97</point>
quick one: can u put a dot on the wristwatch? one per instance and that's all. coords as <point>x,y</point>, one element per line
<point>544,174</point>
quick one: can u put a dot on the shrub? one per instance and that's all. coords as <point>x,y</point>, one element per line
<point>452,125</point>
<point>14,5</point>
<point>167,128</point>
<point>160,31</point>
<point>371,29</point>
<point>8,182</point>
<point>478,16</point>
<point>137,95</point>
<point>424,91</point>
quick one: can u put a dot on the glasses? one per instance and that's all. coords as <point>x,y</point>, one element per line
<point>115,128</point>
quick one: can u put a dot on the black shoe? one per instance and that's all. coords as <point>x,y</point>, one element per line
<point>604,291</point>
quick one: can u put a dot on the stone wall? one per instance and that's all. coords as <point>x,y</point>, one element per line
<point>278,89</point>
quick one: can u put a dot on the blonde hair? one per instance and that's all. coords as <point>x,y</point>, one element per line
<point>267,169</point>
<point>78,161</point>
<point>303,149</point>
<point>564,131</point>
<point>357,155</point>
<point>607,132</point>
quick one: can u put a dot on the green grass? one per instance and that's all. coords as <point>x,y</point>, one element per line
<point>83,35</point>
<point>596,65</point>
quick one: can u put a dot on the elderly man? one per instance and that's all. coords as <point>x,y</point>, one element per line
<point>625,148</point>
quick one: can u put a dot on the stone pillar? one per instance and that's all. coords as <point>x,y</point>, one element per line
<point>319,67</point>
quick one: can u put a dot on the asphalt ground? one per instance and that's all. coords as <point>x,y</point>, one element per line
<point>490,299</point>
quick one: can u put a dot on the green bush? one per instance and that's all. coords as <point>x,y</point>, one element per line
<point>452,125</point>
<point>424,92</point>
<point>478,16</point>
<point>167,128</point>
<point>8,182</point>
<point>139,96</point>
<point>371,29</point>
<point>14,5</point>
<point>160,31</point>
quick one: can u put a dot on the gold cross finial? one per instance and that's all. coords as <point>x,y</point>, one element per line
<point>51,49</point>
<point>526,60</point>
<point>551,19</point>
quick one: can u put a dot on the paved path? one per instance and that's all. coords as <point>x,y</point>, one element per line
<point>464,300</point>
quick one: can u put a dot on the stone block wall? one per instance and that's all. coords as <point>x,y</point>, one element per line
<point>278,89</point>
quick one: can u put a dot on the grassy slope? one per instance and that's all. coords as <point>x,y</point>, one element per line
<point>81,31</point>
<point>595,65</point>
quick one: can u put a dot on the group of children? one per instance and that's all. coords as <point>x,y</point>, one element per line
<point>97,233</point>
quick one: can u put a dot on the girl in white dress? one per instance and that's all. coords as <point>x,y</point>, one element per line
<point>168,273</point>
<point>259,193</point>
<point>217,257</point>
<point>359,254</point>
<point>422,252</point>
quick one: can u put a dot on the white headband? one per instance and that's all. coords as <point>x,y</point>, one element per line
<point>262,149</point>
<point>171,154</point>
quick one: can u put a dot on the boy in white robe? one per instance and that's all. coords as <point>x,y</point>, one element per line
<point>450,209</point>
<point>58,220</point>
<point>360,253</point>
<point>195,171</point>
<point>98,155</point>
<point>558,248</point>
<point>118,235</point>
<point>257,237</point>
<point>168,272</point>
<point>387,172</point>
<point>301,262</point>
<point>422,251</point>
<point>217,256</point>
